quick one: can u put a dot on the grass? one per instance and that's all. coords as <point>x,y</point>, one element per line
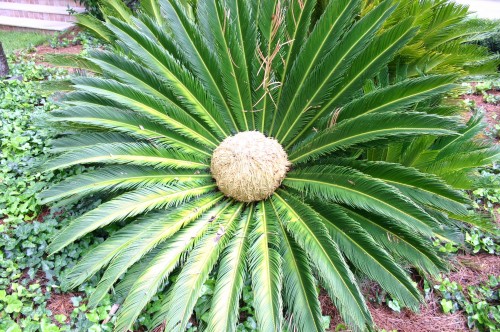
<point>17,40</point>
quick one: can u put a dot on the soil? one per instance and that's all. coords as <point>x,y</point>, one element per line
<point>61,304</point>
<point>467,271</point>
<point>491,111</point>
<point>41,50</point>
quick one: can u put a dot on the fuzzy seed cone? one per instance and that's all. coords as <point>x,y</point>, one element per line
<point>249,166</point>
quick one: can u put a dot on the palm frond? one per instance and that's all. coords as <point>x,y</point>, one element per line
<point>127,153</point>
<point>299,286</point>
<point>146,285</point>
<point>128,72</point>
<point>112,118</point>
<point>266,272</point>
<point>240,16</point>
<point>181,82</point>
<point>230,279</point>
<point>396,96</point>
<point>363,67</point>
<point>372,127</point>
<point>365,254</point>
<point>127,205</point>
<point>200,262</point>
<point>332,62</point>
<point>152,9</point>
<point>201,60</point>
<point>398,239</point>
<point>232,57</point>
<point>113,179</point>
<point>94,26</point>
<point>129,244</point>
<point>310,233</point>
<point>344,185</point>
<point>426,189</point>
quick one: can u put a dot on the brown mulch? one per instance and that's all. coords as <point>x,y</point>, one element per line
<point>40,51</point>
<point>429,319</point>
<point>491,111</point>
<point>46,49</point>
<point>60,304</point>
<point>329,309</point>
<point>467,270</point>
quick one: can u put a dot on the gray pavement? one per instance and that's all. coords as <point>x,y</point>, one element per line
<point>483,8</point>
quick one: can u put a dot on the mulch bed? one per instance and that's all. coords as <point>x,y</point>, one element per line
<point>467,270</point>
<point>491,111</point>
<point>61,304</point>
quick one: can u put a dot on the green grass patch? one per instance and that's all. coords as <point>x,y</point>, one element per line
<point>17,40</point>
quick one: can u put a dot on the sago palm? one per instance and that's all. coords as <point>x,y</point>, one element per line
<point>234,138</point>
<point>444,42</point>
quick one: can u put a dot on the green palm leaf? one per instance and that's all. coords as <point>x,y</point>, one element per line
<point>397,96</point>
<point>126,205</point>
<point>299,285</point>
<point>426,189</point>
<point>344,185</point>
<point>362,251</point>
<point>230,279</point>
<point>398,239</point>
<point>199,263</point>
<point>147,283</point>
<point>310,233</point>
<point>115,179</point>
<point>127,153</point>
<point>265,266</point>
<point>335,63</point>
<point>369,128</point>
<point>115,119</point>
<point>201,61</point>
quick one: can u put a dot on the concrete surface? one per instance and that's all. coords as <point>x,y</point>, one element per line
<point>483,8</point>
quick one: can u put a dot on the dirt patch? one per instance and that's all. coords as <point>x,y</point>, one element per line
<point>428,319</point>
<point>467,271</point>
<point>40,51</point>
<point>329,309</point>
<point>45,49</point>
<point>491,111</point>
<point>60,304</point>
<point>474,270</point>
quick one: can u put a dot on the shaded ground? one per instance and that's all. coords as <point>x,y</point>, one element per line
<point>467,271</point>
<point>491,111</point>
<point>61,304</point>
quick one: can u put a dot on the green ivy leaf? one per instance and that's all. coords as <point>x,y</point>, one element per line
<point>13,305</point>
<point>447,306</point>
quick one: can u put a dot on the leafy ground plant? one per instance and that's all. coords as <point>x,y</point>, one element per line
<point>22,141</point>
<point>28,278</point>
<point>250,140</point>
<point>481,302</point>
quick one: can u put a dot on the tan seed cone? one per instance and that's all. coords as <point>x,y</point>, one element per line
<point>249,166</point>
